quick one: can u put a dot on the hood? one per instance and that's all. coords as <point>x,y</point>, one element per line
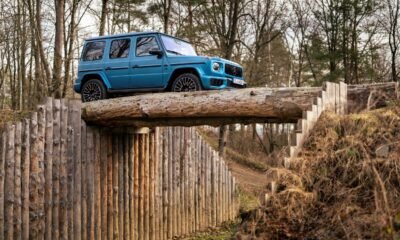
<point>176,59</point>
<point>218,59</point>
<point>187,59</point>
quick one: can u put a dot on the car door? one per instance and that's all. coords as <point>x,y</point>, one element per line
<point>147,69</point>
<point>117,65</point>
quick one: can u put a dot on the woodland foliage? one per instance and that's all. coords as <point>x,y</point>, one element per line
<point>280,43</point>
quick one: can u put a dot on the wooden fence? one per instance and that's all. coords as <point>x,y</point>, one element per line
<point>62,179</point>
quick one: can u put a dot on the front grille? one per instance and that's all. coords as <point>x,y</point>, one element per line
<point>233,70</point>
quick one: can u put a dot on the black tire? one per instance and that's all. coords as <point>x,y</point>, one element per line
<point>186,82</point>
<point>93,90</point>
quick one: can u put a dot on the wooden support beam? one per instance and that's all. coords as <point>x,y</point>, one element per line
<point>200,108</point>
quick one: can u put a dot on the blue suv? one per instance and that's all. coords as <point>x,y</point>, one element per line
<point>149,62</point>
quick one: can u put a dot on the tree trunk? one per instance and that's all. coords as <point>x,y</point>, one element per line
<point>55,89</point>
<point>222,140</point>
<point>200,108</point>
<point>103,18</point>
<point>70,53</point>
<point>166,12</point>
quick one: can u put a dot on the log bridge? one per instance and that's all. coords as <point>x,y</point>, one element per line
<point>215,108</point>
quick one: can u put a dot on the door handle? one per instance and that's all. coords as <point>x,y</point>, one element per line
<point>135,66</point>
<point>108,68</point>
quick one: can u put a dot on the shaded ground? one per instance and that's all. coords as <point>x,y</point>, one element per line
<point>248,169</point>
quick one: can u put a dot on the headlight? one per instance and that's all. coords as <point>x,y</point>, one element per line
<point>216,66</point>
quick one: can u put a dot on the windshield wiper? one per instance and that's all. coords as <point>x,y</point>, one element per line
<point>174,52</point>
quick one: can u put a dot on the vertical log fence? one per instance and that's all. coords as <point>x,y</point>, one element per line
<point>62,179</point>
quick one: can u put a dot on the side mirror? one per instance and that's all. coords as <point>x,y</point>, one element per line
<point>156,51</point>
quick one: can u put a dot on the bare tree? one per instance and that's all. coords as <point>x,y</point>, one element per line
<point>391,26</point>
<point>55,89</point>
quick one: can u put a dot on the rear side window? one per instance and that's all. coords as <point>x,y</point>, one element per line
<point>120,48</point>
<point>144,44</point>
<point>94,51</point>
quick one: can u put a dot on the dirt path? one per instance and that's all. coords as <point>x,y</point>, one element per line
<point>248,179</point>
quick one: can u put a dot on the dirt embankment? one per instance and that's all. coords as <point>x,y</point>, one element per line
<point>344,185</point>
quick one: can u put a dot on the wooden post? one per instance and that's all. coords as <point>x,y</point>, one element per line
<point>343,97</point>
<point>55,233</point>
<point>175,192</point>
<point>202,184</point>
<point>165,184</point>
<point>84,182</point>
<point>131,171</point>
<point>110,187</point>
<point>120,191</point>
<point>90,158</point>
<point>17,182</point>
<point>25,162</point>
<point>197,183</point>
<point>186,179</point>
<point>40,175</point>
<point>152,225</point>
<point>158,187</point>
<point>171,215</point>
<point>48,168</point>
<point>33,181</point>
<point>65,139</point>
<point>208,194</point>
<point>146,189</point>
<point>190,180</point>
<point>2,180</point>
<point>104,157</point>
<point>9,183</point>
<point>126,186</point>
<point>179,179</point>
<point>115,175</point>
<point>136,186</point>
<point>97,186</point>
<point>141,185</point>
<point>75,170</point>
<point>70,168</point>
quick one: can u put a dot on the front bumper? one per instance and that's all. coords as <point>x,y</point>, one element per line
<point>214,82</point>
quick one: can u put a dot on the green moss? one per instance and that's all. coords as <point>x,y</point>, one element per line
<point>219,235</point>
<point>226,231</point>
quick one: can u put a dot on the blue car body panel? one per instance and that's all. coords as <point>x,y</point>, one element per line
<point>152,72</point>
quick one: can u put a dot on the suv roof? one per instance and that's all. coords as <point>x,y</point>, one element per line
<point>131,34</point>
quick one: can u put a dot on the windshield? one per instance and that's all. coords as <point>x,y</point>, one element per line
<point>175,46</point>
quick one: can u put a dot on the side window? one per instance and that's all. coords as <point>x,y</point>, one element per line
<point>94,51</point>
<point>120,48</point>
<point>144,44</point>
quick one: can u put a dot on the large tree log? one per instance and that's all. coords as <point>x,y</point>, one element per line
<point>202,108</point>
<point>370,96</point>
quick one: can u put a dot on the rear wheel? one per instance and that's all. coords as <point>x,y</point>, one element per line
<point>93,90</point>
<point>186,82</point>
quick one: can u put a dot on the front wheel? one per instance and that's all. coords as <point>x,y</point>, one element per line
<point>187,82</point>
<point>93,90</point>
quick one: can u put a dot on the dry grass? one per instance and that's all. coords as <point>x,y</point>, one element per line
<point>338,188</point>
<point>10,116</point>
